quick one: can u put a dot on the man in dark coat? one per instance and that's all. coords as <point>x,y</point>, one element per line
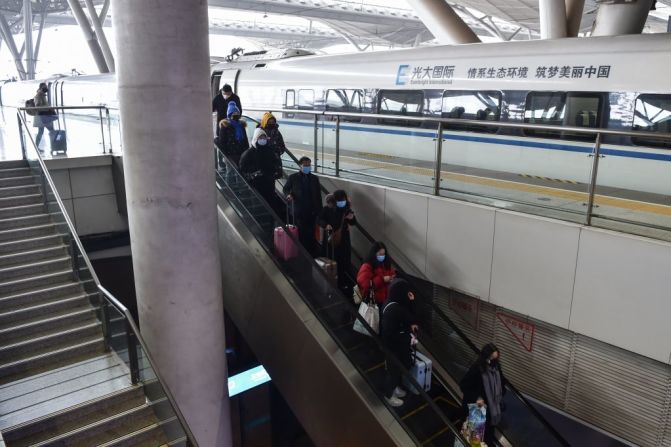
<point>304,196</point>
<point>336,219</point>
<point>232,137</point>
<point>222,99</point>
<point>396,326</point>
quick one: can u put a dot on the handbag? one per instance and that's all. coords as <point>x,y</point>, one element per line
<point>358,294</point>
<point>371,315</point>
<point>336,237</point>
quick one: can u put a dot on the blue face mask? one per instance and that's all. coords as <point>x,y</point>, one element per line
<point>380,258</point>
<point>341,203</point>
<point>306,169</point>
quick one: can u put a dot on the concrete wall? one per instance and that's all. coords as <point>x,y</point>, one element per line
<point>86,186</point>
<point>606,285</point>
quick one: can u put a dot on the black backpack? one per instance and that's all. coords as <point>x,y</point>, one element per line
<point>31,103</point>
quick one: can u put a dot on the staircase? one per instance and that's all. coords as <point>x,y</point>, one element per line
<point>58,384</point>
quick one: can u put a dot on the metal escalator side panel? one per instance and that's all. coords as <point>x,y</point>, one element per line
<point>331,399</point>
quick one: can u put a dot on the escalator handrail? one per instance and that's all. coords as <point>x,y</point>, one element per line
<point>457,330</point>
<point>375,337</point>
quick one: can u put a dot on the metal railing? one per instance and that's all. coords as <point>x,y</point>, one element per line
<point>592,136</point>
<point>132,332</point>
<point>62,111</point>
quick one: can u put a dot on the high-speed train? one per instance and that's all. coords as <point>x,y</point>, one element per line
<point>618,82</point>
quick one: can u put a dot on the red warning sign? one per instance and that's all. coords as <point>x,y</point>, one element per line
<point>467,308</point>
<point>521,330</point>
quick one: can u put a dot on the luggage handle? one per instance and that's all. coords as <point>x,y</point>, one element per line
<point>293,213</point>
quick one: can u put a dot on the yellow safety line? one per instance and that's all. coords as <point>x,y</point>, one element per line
<point>599,199</point>
<point>374,368</point>
<point>415,411</point>
<point>436,435</point>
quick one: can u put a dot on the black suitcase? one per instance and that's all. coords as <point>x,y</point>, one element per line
<point>59,143</point>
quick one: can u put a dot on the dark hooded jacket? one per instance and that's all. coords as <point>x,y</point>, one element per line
<point>232,142</point>
<point>397,319</point>
<point>220,104</point>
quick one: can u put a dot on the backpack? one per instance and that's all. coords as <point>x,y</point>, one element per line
<point>31,103</point>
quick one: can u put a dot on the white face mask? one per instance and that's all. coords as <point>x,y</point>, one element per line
<point>261,142</point>
<point>226,95</point>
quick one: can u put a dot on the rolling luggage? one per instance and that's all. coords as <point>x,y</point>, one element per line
<point>58,138</point>
<point>285,240</point>
<point>329,266</point>
<point>59,143</point>
<point>420,371</point>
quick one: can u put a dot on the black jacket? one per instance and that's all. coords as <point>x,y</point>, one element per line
<point>260,165</point>
<point>227,142</point>
<point>397,319</point>
<point>220,105</point>
<point>309,205</point>
<point>275,140</point>
<point>331,215</point>
<point>473,387</point>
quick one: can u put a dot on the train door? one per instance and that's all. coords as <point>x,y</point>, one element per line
<point>219,78</point>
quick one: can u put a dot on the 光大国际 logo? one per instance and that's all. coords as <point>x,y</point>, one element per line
<point>420,75</point>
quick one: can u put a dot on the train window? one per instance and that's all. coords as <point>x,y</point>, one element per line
<point>401,102</point>
<point>290,99</point>
<point>306,99</point>
<point>344,100</point>
<point>575,109</point>
<point>472,105</point>
<point>216,81</point>
<point>652,114</point>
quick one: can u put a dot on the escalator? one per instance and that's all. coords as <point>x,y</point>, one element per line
<point>426,419</point>
<point>522,424</point>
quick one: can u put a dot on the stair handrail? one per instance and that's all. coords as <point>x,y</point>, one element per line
<point>115,302</point>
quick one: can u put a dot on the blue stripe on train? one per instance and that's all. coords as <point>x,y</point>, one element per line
<point>521,143</point>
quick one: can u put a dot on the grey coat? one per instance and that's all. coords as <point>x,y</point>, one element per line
<point>43,118</point>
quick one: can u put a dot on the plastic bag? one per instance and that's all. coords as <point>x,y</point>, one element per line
<point>474,427</point>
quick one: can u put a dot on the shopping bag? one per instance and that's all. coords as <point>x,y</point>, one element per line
<point>474,427</point>
<point>371,315</point>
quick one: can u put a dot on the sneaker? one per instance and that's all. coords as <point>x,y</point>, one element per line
<point>394,401</point>
<point>400,393</point>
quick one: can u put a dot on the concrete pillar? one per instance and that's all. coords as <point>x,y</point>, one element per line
<point>552,15</point>
<point>615,19</point>
<point>100,33</point>
<point>574,12</point>
<point>445,24</point>
<point>164,97</point>
<point>28,38</point>
<point>85,26</point>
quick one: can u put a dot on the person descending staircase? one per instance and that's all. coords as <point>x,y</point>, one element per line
<point>60,382</point>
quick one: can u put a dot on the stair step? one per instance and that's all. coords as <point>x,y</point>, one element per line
<point>22,210</point>
<point>30,199</point>
<point>17,181</point>
<point>31,313</point>
<point>27,232</point>
<point>19,190</point>
<point>38,328</point>
<point>105,430</point>
<point>30,243</point>
<point>80,345</point>
<point>151,436</point>
<point>25,221</point>
<point>70,419</point>
<point>34,268</point>
<point>32,255</point>
<point>36,296</point>
<point>29,346</point>
<point>14,171</point>
<point>33,282</point>
<point>10,164</point>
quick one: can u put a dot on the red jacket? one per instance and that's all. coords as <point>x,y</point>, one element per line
<point>367,274</point>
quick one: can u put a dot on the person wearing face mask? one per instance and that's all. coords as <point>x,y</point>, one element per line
<point>272,129</point>
<point>337,222</point>
<point>259,165</point>
<point>221,101</point>
<point>232,136</point>
<point>376,273</point>
<point>303,193</point>
<point>485,384</point>
<point>396,326</point>
<point>44,118</point>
